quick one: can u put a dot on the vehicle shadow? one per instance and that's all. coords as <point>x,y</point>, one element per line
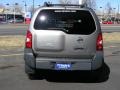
<point>97,76</point>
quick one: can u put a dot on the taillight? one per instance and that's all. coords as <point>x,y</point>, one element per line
<point>99,44</point>
<point>28,39</point>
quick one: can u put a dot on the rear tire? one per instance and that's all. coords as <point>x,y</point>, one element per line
<point>32,73</point>
<point>35,76</point>
<point>101,74</point>
<point>32,76</point>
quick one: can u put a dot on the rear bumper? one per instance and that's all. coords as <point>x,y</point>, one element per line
<point>76,64</point>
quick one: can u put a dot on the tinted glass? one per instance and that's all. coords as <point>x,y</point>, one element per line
<point>69,21</point>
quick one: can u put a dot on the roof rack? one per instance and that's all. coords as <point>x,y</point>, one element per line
<point>48,4</point>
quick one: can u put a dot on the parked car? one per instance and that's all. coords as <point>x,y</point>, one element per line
<point>65,38</point>
<point>15,20</point>
<point>3,22</point>
<point>107,22</point>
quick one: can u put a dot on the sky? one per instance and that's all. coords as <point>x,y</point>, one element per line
<point>100,3</point>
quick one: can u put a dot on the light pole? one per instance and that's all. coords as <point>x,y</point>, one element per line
<point>114,15</point>
<point>15,11</point>
<point>118,8</point>
<point>33,7</point>
<point>14,16</point>
<point>6,12</point>
<point>38,5</point>
<point>114,12</point>
<point>25,10</point>
<point>101,12</point>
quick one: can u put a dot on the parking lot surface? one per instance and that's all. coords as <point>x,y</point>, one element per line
<point>13,77</point>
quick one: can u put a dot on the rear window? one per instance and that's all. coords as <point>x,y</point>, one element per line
<point>69,21</point>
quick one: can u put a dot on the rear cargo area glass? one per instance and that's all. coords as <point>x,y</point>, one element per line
<point>68,21</point>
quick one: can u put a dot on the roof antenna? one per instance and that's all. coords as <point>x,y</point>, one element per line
<point>47,4</point>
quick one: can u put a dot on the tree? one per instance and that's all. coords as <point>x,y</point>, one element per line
<point>65,1</point>
<point>14,7</point>
<point>18,8</point>
<point>89,3</point>
<point>2,8</point>
<point>108,9</point>
<point>30,9</point>
<point>69,1</point>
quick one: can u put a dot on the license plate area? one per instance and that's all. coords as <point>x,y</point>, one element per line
<point>62,66</point>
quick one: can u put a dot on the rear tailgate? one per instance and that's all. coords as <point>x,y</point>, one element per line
<point>60,44</point>
<point>64,33</point>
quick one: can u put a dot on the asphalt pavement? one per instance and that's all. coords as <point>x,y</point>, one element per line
<point>13,77</point>
<point>110,28</point>
<point>13,29</point>
<point>20,29</point>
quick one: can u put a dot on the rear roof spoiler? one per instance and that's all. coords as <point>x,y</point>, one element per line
<point>48,4</point>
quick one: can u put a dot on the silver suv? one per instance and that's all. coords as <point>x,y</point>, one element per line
<point>63,37</point>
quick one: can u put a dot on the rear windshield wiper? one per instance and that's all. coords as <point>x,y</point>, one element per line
<point>62,29</point>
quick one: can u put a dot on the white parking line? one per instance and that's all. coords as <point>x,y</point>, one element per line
<point>11,55</point>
